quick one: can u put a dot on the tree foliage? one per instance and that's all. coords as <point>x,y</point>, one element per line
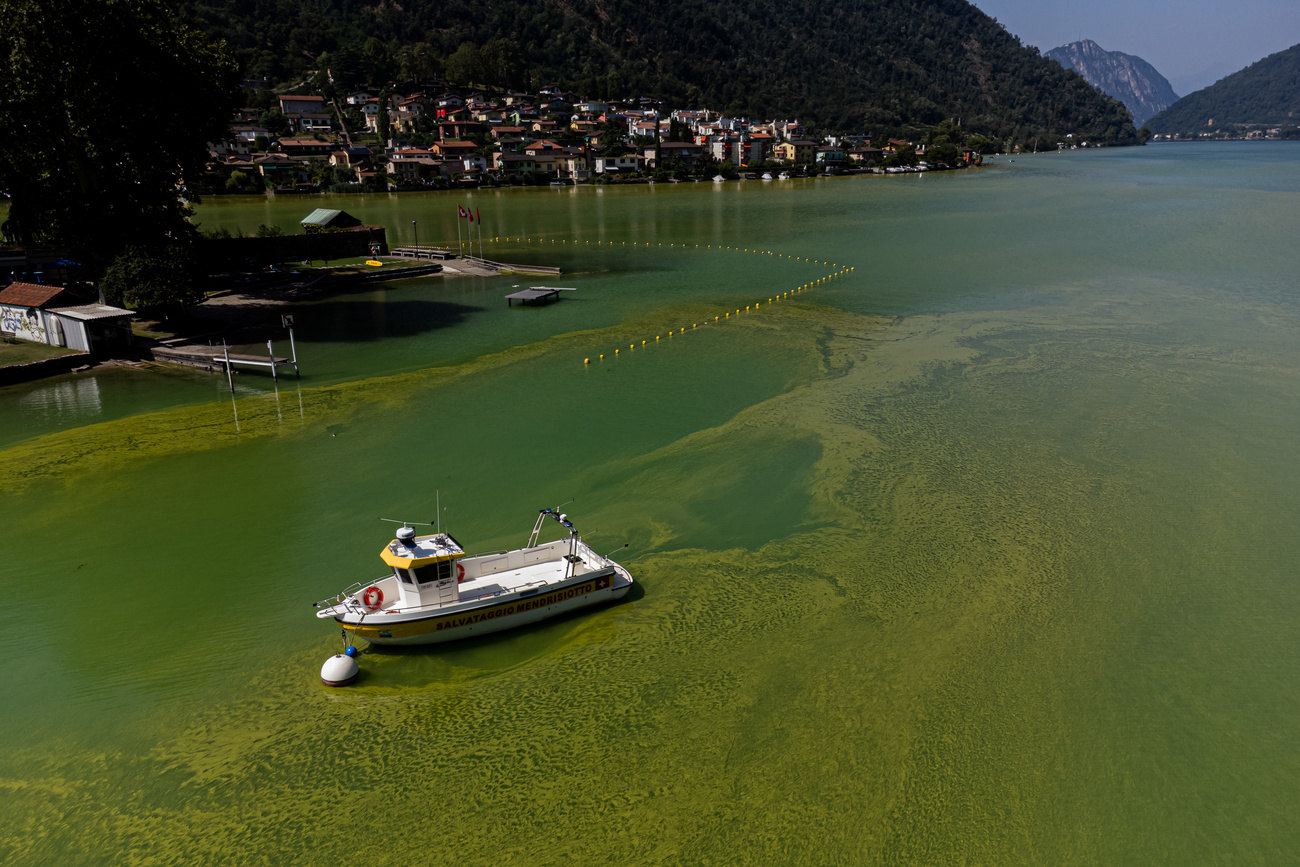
<point>158,275</point>
<point>107,107</point>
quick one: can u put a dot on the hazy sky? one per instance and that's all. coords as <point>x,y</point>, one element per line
<point>1193,43</point>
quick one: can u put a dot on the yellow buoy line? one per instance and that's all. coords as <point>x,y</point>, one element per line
<point>717,320</point>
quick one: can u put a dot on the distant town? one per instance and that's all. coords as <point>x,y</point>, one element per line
<point>372,141</point>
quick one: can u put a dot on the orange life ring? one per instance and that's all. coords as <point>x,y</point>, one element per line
<point>372,598</point>
<point>460,572</point>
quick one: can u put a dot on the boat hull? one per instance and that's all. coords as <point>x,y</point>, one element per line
<point>495,615</point>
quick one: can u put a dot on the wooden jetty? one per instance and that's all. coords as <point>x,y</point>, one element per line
<point>273,361</point>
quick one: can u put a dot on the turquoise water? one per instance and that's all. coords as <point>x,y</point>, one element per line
<point>982,552</point>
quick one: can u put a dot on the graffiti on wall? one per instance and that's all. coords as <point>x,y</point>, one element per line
<point>22,325</point>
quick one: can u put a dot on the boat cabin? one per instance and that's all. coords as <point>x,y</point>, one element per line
<point>425,568</point>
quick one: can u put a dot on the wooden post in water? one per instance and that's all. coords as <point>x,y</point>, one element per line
<point>229,376</point>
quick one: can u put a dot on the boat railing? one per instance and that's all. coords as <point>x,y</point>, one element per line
<point>347,594</point>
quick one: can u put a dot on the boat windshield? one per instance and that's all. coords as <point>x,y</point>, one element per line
<point>427,574</point>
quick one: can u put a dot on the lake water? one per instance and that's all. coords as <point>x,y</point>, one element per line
<point>982,552</point>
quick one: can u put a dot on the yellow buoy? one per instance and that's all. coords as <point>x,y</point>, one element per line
<point>643,343</point>
<point>656,337</point>
<point>586,361</point>
<point>602,355</point>
<point>616,352</point>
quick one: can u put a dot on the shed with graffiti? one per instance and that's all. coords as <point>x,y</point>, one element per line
<point>52,314</point>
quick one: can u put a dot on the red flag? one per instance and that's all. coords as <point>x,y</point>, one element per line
<point>469,214</point>
<point>462,211</point>
<point>478,218</point>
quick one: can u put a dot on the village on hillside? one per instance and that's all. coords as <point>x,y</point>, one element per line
<point>308,143</point>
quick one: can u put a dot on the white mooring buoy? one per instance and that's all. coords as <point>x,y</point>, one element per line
<point>339,670</point>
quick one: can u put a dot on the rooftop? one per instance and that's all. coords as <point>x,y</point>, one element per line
<point>29,294</point>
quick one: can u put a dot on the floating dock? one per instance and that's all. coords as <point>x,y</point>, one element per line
<point>538,294</point>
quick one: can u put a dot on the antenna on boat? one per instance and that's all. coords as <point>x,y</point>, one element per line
<point>438,504</point>
<point>552,512</point>
<point>619,548</point>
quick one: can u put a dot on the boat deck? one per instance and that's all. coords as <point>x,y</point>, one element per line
<point>540,575</point>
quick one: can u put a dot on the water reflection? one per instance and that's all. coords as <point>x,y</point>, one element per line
<point>65,402</point>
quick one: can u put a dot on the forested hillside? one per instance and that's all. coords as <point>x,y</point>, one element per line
<point>1262,94</point>
<point>849,65</point>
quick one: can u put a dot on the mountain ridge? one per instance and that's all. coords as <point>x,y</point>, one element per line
<point>1126,77</point>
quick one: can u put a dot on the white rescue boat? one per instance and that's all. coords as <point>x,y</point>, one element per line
<point>436,592</point>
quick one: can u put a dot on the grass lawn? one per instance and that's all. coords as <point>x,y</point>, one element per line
<point>25,352</point>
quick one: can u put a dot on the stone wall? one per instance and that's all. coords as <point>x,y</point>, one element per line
<point>16,373</point>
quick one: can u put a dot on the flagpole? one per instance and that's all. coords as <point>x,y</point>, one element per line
<point>459,245</point>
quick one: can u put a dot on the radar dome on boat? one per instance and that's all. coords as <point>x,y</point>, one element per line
<point>405,535</point>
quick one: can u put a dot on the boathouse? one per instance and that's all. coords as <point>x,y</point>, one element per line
<point>51,314</point>
<point>324,218</point>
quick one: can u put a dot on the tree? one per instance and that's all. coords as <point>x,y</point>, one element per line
<point>237,182</point>
<point>612,86</point>
<point>381,119</point>
<point>80,174</point>
<point>274,121</point>
<point>611,135</point>
<point>156,276</point>
<point>377,62</point>
<point>418,61</point>
<point>466,65</point>
<point>502,64</point>
<point>944,152</point>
